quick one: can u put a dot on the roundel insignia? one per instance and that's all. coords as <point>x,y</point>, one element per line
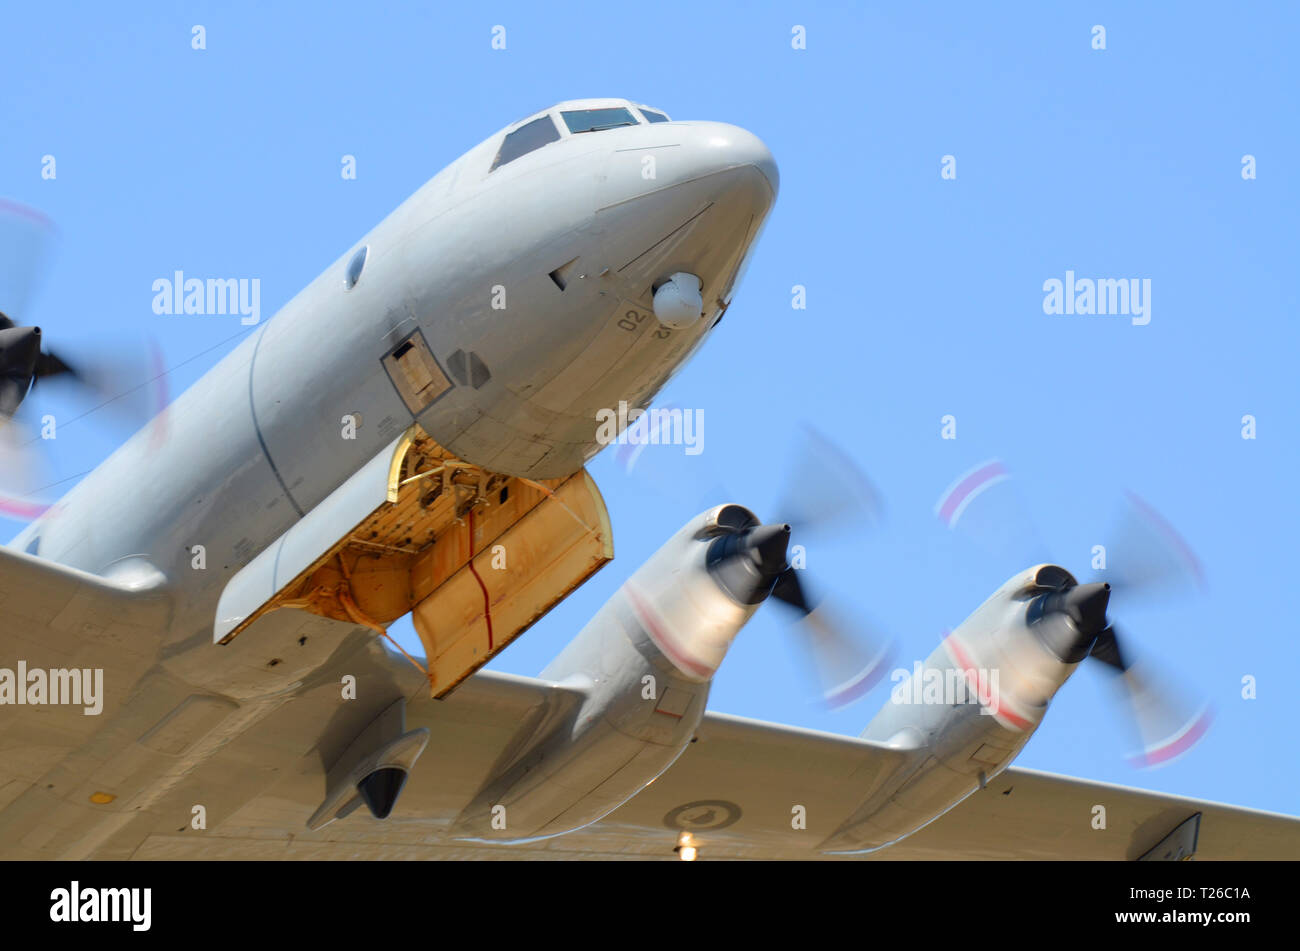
<point>703,814</point>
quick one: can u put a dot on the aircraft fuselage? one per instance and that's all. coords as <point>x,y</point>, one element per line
<point>521,295</point>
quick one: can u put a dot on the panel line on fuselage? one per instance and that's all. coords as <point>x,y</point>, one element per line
<point>257,427</point>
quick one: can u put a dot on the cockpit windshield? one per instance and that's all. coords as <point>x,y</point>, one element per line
<point>596,120</point>
<point>542,130</point>
<point>527,138</point>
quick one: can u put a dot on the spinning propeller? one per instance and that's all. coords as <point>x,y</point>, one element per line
<point>825,495</point>
<point>110,375</point>
<point>1145,558</point>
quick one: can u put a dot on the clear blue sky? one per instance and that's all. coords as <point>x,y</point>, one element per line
<point>924,295</point>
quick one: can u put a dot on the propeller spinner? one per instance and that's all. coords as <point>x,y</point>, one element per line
<point>23,363</point>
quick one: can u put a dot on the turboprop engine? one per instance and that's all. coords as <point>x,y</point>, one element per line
<point>631,687</point>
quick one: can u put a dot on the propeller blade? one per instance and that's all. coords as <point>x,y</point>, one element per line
<point>23,472</point>
<point>825,490</point>
<point>826,494</point>
<point>984,505</point>
<point>661,453</point>
<point>1167,725</point>
<point>48,364</point>
<point>1147,557</point>
<point>1168,729</point>
<point>789,590</point>
<point>1106,649</point>
<point>115,380</point>
<point>847,665</point>
<point>25,238</point>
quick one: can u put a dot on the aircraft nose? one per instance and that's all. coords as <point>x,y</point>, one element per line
<point>720,146</point>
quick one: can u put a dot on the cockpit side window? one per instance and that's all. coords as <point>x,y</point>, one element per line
<point>527,138</point>
<point>652,116</point>
<point>595,120</point>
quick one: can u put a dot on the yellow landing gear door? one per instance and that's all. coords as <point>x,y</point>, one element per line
<point>477,556</point>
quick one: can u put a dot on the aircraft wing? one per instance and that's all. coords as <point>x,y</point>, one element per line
<point>735,789</point>
<point>750,775</point>
<point>57,618</point>
<point>53,616</point>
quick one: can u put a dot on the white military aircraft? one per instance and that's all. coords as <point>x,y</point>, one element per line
<point>193,657</point>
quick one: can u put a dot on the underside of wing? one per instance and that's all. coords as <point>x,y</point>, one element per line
<point>1027,814</point>
<point>742,789</point>
<point>745,788</point>
<point>259,801</point>
<point>52,610</point>
<point>735,787</point>
<point>740,799</point>
<point>71,643</point>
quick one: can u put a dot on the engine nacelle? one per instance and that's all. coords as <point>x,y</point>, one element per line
<point>642,668</point>
<point>963,715</point>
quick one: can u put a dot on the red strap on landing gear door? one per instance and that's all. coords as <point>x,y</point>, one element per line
<point>487,604</point>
